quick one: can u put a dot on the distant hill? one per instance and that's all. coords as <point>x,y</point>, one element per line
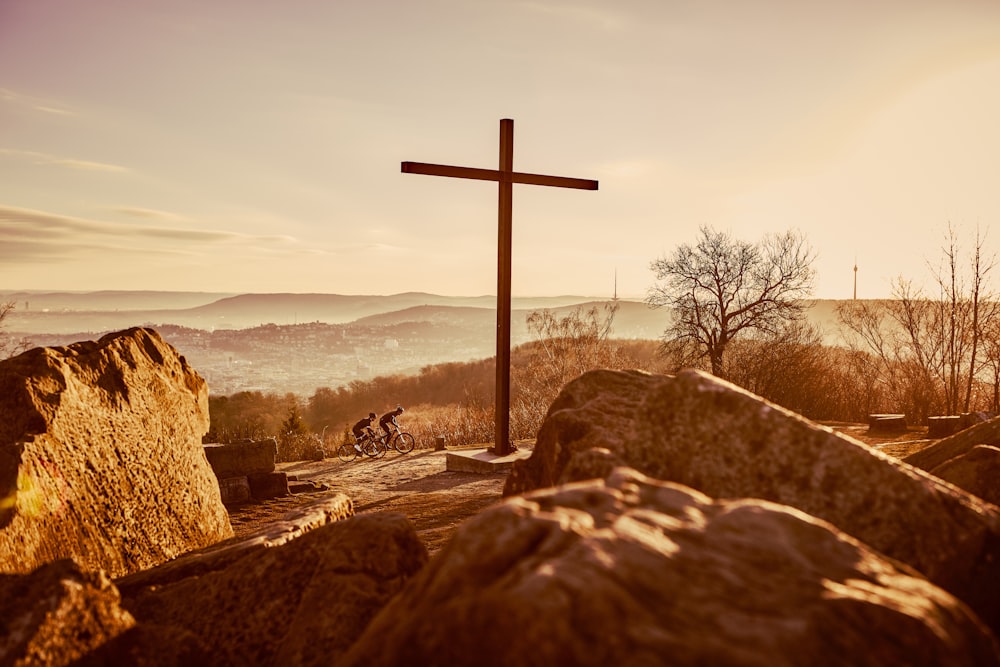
<point>109,300</point>
<point>68,312</point>
<point>101,312</point>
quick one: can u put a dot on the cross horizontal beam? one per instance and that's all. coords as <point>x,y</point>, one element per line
<point>496,175</point>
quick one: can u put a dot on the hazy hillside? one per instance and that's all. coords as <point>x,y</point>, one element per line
<point>100,312</point>
<point>57,313</point>
<point>298,342</point>
<point>109,300</point>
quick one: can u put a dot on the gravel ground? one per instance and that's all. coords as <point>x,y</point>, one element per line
<point>416,485</point>
<point>435,500</point>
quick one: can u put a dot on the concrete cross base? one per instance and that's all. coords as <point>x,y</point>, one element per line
<point>483,461</point>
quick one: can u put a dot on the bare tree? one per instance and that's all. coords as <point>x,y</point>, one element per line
<point>568,346</point>
<point>564,348</point>
<point>931,351</point>
<point>8,345</point>
<point>722,288</point>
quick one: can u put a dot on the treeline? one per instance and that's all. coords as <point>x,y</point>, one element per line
<point>790,367</point>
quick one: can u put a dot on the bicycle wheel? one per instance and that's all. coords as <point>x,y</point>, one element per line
<point>404,443</point>
<point>374,448</point>
<point>347,453</point>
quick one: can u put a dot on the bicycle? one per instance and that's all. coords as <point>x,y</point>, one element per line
<point>399,440</point>
<point>371,447</point>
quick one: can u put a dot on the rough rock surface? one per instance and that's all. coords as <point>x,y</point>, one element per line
<point>217,557</point>
<point>302,603</point>
<point>633,571</point>
<point>984,433</point>
<point>242,458</point>
<point>57,614</point>
<point>710,435</point>
<point>977,471</point>
<point>101,458</point>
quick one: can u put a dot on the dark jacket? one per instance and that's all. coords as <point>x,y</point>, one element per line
<point>359,428</point>
<point>388,418</point>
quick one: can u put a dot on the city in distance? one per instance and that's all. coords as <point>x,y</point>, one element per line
<point>299,342</point>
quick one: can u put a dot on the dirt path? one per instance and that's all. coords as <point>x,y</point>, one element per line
<point>436,501</point>
<point>416,485</point>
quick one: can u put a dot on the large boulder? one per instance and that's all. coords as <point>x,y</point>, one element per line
<point>697,430</point>
<point>266,598</point>
<point>635,571</point>
<point>976,471</point>
<point>303,602</point>
<point>959,444</point>
<point>101,458</point>
<point>57,614</point>
<point>219,556</point>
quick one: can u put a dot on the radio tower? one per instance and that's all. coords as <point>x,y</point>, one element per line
<point>615,297</point>
<point>855,278</point>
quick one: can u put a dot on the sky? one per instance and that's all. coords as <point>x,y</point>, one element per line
<point>255,146</point>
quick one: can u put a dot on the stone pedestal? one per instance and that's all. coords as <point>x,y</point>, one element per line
<point>942,426</point>
<point>245,470</point>
<point>483,461</point>
<point>886,423</point>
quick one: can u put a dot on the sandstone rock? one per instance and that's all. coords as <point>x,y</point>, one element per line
<point>302,603</point>
<point>943,425</point>
<point>221,555</point>
<point>234,490</point>
<point>983,433</point>
<point>977,471</point>
<point>242,458</point>
<point>149,646</point>
<point>57,614</point>
<point>632,571</point>
<point>101,458</point>
<point>264,485</point>
<point>707,434</point>
<point>886,423</point>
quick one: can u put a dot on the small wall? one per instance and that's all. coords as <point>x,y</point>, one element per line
<point>245,470</point>
<point>242,458</point>
<point>886,423</point>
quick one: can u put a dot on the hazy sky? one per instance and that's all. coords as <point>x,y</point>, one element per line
<point>255,145</point>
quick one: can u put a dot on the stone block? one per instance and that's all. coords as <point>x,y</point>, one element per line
<point>264,485</point>
<point>235,490</point>
<point>242,458</point>
<point>942,426</point>
<point>886,423</point>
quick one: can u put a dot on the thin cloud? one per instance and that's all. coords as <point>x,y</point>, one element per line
<point>44,159</point>
<point>87,165</point>
<point>28,226</point>
<point>149,213</point>
<point>33,103</point>
<point>53,110</point>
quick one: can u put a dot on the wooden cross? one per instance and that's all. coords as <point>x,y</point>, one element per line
<point>505,176</point>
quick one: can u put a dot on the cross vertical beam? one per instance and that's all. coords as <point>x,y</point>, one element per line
<point>505,205</point>
<point>505,177</point>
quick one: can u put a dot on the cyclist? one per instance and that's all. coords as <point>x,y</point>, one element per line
<point>363,427</point>
<point>390,418</point>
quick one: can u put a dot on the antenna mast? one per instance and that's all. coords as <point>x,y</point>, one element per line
<point>855,278</point>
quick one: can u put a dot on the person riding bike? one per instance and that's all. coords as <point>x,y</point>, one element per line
<point>362,428</point>
<point>390,418</point>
